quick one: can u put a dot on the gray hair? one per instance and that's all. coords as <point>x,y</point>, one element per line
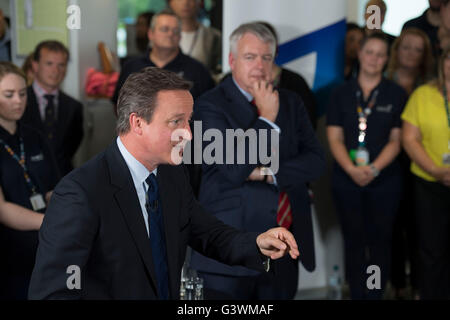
<point>165,12</point>
<point>255,28</point>
<point>139,94</point>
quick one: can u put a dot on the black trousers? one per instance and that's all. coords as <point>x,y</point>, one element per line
<point>404,236</point>
<point>432,215</point>
<point>367,216</point>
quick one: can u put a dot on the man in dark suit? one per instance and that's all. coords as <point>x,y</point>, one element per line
<point>120,224</point>
<point>51,111</point>
<point>242,194</point>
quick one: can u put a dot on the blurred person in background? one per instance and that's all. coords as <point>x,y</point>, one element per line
<point>426,139</point>
<point>410,65</point>
<point>366,180</point>
<point>353,39</point>
<point>429,23</point>
<point>28,174</point>
<point>142,25</point>
<point>5,38</point>
<point>198,41</point>
<point>444,28</point>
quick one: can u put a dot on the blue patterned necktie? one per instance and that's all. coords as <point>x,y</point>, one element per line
<point>157,240</point>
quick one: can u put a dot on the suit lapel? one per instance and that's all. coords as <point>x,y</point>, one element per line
<point>239,110</point>
<point>170,213</point>
<point>128,203</point>
<point>34,115</point>
<point>63,115</point>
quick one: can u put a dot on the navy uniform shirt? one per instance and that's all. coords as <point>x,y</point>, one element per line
<point>385,116</point>
<point>185,66</point>
<point>18,248</point>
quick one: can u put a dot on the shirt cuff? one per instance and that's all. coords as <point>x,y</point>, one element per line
<point>273,125</point>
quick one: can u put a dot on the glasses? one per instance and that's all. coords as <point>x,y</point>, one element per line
<point>175,31</point>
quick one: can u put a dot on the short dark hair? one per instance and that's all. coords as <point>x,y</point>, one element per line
<point>139,93</point>
<point>51,45</point>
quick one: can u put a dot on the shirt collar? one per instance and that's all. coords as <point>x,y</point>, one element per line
<point>247,95</point>
<point>139,172</point>
<point>40,92</point>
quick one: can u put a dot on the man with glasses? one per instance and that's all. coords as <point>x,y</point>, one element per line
<point>164,35</point>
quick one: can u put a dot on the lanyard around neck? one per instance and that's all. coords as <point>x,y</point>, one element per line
<point>447,109</point>
<point>20,161</point>
<point>363,114</point>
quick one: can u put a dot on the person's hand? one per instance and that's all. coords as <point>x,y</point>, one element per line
<point>256,175</point>
<point>442,174</point>
<point>362,175</point>
<point>277,242</point>
<point>260,174</point>
<point>266,99</point>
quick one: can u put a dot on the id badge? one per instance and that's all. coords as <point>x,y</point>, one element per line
<point>446,159</point>
<point>37,202</point>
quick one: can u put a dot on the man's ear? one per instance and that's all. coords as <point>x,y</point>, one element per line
<point>34,66</point>
<point>135,123</point>
<point>231,60</point>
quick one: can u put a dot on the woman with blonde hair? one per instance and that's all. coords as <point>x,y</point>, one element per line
<point>411,64</point>
<point>426,139</point>
<point>27,176</point>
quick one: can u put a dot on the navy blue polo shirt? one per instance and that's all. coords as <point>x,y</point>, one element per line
<point>385,115</point>
<point>18,248</point>
<point>187,67</point>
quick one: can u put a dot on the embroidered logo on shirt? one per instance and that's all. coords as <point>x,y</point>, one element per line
<point>386,109</point>
<point>38,157</point>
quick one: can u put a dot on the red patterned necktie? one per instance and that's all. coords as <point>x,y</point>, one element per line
<point>284,213</point>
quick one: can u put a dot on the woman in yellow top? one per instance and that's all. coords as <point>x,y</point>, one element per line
<point>426,139</point>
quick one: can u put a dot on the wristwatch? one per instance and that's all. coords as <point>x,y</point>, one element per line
<point>375,171</point>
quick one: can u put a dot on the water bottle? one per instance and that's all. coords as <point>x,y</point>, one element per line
<point>335,285</point>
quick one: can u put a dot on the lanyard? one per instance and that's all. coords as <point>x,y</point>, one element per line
<point>447,109</point>
<point>363,114</point>
<point>21,162</point>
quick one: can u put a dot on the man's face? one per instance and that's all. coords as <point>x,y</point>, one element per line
<point>166,33</point>
<point>172,114</point>
<point>50,70</point>
<point>252,61</point>
<point>184,9</point>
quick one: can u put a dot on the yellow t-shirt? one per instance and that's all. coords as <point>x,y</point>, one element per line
<point>426,110</point>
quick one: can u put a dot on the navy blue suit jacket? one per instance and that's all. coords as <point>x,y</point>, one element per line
<point>94,221</point>
<point>249,205</point>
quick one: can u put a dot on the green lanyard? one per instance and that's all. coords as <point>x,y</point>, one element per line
<point>447,109</point>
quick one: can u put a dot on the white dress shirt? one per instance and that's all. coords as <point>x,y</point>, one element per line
<point>139,173</point>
